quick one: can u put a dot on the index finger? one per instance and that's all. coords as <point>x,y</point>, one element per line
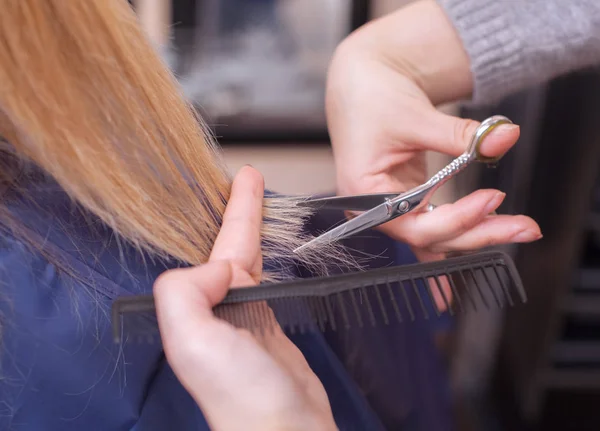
<point>239,238</point>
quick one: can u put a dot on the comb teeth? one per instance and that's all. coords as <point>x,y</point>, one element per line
<point>384,296</point>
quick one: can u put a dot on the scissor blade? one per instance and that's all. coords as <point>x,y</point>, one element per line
<point>349,203</point>
<point>374,217</point>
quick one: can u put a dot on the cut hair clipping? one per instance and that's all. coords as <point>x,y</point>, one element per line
<point>385,296</point>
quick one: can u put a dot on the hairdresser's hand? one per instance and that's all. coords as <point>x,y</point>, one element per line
<point>240,382</point>
<point>382,87</point>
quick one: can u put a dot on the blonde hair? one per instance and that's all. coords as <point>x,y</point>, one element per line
<point>84,96</point>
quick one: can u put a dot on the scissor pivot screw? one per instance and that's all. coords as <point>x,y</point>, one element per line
<point>403,206</point>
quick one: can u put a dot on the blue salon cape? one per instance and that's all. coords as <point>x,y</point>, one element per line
<point>61,371</point>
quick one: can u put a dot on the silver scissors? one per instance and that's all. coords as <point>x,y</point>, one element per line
<point>380,208</point>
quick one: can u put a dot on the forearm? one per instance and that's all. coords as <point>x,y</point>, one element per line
<point>513,44</point>
<point>483,50</point>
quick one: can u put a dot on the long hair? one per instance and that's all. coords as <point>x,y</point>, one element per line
<point>85,97</point>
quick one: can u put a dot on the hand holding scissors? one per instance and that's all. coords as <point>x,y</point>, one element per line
<point>380,208</point>
<point>384,87</point>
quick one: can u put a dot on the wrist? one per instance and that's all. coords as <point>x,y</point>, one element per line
<point>419,42</point>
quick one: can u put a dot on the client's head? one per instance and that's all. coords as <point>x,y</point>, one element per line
<point>84,96</point>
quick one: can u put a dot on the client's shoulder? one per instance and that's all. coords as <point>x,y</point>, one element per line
<point>45,225</point>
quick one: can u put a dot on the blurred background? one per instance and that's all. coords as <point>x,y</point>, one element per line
<point>256,71</point>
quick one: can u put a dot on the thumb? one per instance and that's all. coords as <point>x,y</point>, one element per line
<point>185,297</point>
<point>451,135</point>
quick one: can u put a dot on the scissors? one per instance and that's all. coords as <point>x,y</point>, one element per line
<point>380,208</point>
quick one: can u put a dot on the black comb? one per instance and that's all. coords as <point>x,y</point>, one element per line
<point>376,297</point>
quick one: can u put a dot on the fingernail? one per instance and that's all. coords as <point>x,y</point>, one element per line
<point>527,236</point>
<point>489,146</point>
<point>494,202</point>
<point>504,129</point>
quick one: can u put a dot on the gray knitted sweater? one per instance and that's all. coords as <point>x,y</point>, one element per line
<point>513,44</point>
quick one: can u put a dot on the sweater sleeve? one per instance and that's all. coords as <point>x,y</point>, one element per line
<point>513,44</point>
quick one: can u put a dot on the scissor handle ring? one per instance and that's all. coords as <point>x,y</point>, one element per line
<point>482,131</point>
